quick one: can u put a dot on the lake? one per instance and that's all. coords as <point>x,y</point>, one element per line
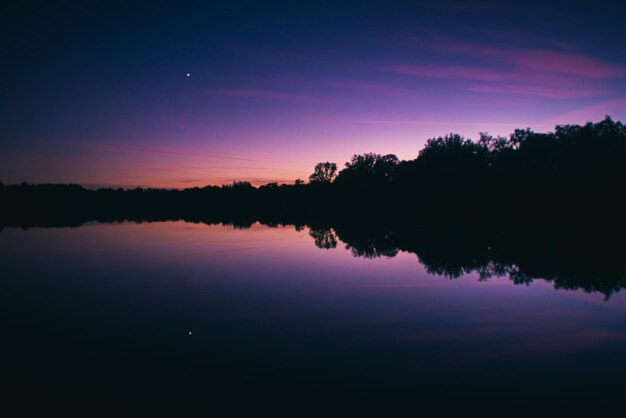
<point>177,316</point>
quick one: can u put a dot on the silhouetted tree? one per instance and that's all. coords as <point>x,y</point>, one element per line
<point>519,136</point>
<point>369,168</point>
<point>494,147</point>
<point>452,148</point>
<point>244,185</point>
<point>324,173</point>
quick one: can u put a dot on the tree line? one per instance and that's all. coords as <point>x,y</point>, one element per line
<point>572,174</point>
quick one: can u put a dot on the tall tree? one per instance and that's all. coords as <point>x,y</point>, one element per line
<point>324,173</point>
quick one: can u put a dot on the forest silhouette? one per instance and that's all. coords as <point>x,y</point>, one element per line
<point>575,174</point>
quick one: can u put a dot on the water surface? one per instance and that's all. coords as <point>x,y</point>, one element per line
<point>179,316</point>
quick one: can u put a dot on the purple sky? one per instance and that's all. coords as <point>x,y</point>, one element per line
<point>101,96</point>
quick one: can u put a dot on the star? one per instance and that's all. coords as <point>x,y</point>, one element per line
<point>188,75</point>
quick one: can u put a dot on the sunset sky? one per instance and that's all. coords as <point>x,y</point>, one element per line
<point>181,95</point>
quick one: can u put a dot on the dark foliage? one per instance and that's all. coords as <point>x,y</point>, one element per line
<point>324,173</point>
<point>572,175</point>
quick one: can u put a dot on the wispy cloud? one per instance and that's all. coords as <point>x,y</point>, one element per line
<point>547,73</point>
<point>189,153</point>
<point>275,95</point>
<point>563,63</point>
<point>593,113</point>
<point>352,85</point>
<point>167,151</point>
<point>536,90</point>
<point>368,87</point>
<point>186,180</point>
<point>448,72</point>
<point>537,59</point>
<point>489,74</point>
<point>372,121</point>
<point>506,82</point>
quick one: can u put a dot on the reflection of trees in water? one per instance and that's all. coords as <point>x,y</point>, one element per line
<point>573,260</point>
<point>370,250</point>
<point>361,245</point>
<point>368,242</point>
<point>324,238</point>
<point>585,263</point>
<point>240,223</point>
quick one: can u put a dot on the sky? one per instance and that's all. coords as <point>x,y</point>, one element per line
<point>177,94</point>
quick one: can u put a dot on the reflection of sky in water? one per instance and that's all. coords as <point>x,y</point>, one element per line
<point>125,297</point>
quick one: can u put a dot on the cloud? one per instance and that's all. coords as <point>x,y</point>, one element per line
<point>506,82</point>
<point>593,113</point>
<point>488,74</point>
<point>368,87</point>
<point>367,121</point>
<point>274,95</point>
<point>536,90</point>
<point>186,180</point>
<point>447,72</point>
<point>536,59</point>
<point>190,153</point>
<point>564,63</point>
<point>547,73</point>
<point>353,85</point>
<point>216,155</point>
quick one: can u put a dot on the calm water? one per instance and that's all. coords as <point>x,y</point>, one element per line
<point>178,316</point>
